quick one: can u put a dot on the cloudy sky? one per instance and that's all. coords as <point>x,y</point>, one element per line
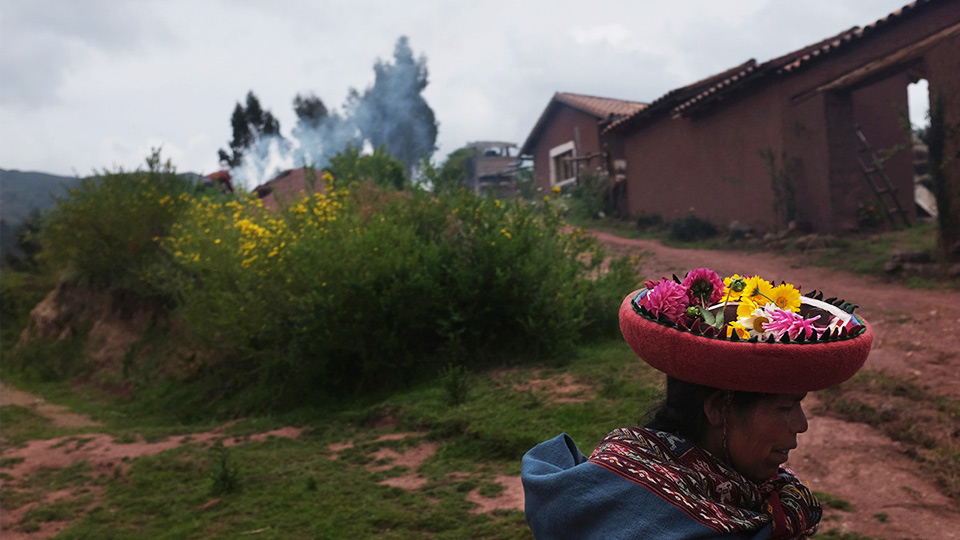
<point>93,84</point>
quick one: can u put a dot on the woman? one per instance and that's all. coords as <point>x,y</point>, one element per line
<point>740,355</point>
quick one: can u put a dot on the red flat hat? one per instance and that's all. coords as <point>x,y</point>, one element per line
<point>701,354</point>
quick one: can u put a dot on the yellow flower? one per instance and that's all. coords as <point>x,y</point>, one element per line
<point>742,332</point>
<point>786,297</point>
<point>555,189</point>
<point>759,290</point>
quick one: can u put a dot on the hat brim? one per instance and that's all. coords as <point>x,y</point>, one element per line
<point>777,368</point>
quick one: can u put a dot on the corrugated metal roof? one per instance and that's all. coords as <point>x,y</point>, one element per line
<point>681,101</point>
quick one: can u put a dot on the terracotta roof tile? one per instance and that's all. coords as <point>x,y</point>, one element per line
<point>603,109</point>
<point>599,106</point>
<point>683,93</point>
<point>682,100</point>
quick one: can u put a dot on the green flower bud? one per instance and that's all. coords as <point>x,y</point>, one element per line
<point>693,311</point>
<point>738,285</point>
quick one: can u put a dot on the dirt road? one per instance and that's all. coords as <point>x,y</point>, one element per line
<point>917,338</point>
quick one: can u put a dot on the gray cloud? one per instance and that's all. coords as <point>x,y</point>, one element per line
<point>43,42</point>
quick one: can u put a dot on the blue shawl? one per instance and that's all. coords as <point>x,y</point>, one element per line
<point>641,483</point>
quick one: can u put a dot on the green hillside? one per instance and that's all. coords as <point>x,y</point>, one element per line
<point>21,192</point>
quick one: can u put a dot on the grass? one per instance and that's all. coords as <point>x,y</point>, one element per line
<point>22,424</point>
<point>285,488</point>
<point>292,489</point>
<point>830,501</point>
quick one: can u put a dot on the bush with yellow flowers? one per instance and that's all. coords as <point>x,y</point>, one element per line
<point>358,287</point>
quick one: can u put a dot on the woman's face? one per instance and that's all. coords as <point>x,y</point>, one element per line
<point>759,439</point>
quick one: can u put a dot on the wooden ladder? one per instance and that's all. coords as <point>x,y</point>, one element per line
<point>879,182</point>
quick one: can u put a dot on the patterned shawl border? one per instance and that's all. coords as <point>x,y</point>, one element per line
<point>710,514</point>
<point>706,513</point>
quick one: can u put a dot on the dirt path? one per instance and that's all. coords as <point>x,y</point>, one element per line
<point>59,415</point>
<point>917,338</point>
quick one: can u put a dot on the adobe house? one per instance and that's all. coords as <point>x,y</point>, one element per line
<point>770,143</point>
<point>289,186</point>
<point>567,139</point>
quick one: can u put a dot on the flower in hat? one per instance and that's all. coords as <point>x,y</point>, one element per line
<point>757,290</point>
<point>786,297</point>
<point>741,331</point>
<point>733,287</point>
<point>790,323</point>
<point>669,298</point>
<point>704,285</point>
<point>752,316</point>
<point>704,347</point>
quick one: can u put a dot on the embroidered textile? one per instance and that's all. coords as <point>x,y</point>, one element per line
<point>706,489</point>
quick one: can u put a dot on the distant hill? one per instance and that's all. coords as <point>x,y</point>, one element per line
<point>21,192</point>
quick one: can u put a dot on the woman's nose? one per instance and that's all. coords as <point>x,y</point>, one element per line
<point>799,420</point>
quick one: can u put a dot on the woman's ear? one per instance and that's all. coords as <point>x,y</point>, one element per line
<point>715,408</point>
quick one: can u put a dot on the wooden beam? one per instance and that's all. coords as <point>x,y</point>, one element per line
<point>870,69</point>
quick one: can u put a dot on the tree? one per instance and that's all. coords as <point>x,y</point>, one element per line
<point>392,113</point>
<point>250,124</point>
<point>452,174</point>
<point>310,110</point>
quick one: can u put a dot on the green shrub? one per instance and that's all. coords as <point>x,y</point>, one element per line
<point>650,221</point>
<point>455,383</point>
<point>380,168</point>
<point>589,195</point>
<point>351,289</point>
<point>224,476</point>
<point>106,230</point>
<point>691,228</point>
<point>869,216</point>
<point>360,289</point>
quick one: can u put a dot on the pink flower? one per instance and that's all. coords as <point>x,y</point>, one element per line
<point>668,297</point>
<point>651,283</point>
<point>704,285</point>
<point>790,323</point>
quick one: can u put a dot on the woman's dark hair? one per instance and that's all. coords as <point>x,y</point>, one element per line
<point>681,410</point>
